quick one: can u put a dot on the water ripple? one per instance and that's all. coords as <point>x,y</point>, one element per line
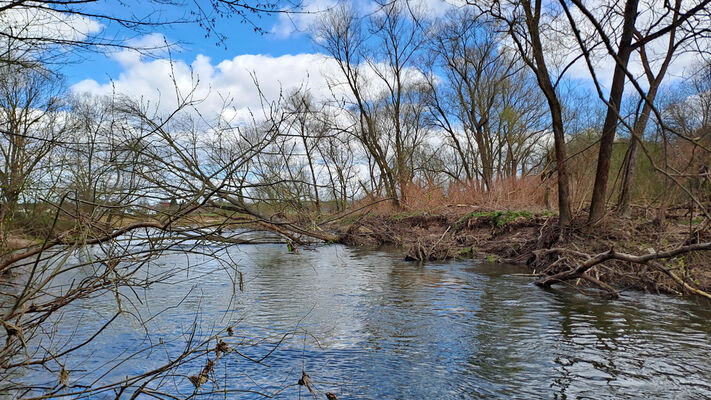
<point>367,325</point>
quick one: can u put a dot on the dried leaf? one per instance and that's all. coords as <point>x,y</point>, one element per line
<point>221,348</point>
<point>63,376</point>
<point>306,381</point>
<point>209,367</point>
<point>198,380</point>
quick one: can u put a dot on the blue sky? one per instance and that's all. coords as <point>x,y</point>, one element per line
<point>240,38</point>
<point>280,59</point>
<point>221,75</point>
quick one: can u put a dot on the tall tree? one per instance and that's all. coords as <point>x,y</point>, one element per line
<point>609,129</point>
<point>31,126</point>
<point>375,56</point>
<point>523,21</point>
<point>605,20</point>
<point>654,80</point>
<point>483,101</point>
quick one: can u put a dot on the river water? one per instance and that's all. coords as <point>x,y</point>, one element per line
<point>366,325</point>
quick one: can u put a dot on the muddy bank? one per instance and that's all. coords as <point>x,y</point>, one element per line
<point>523,237</point>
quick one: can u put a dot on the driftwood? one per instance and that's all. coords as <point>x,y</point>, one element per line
<point>579,271</point>
<point>305,380</point>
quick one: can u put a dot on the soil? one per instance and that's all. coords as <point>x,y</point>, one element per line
<point>518,236</point>
<point>17,242</point>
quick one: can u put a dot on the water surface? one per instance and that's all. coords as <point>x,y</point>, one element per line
<point>366,325</point>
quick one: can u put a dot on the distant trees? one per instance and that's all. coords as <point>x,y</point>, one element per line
<point>323,147</point>
<point>376,59</point>
<point>31,127</point>
<point>408,83</point>
<point>475,99</point>
<point>525,22</point>
<point>485,102</point>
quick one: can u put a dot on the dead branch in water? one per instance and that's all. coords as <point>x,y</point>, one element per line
<point>647,259</point>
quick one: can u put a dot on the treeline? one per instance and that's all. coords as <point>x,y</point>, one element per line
<point>468,102</point>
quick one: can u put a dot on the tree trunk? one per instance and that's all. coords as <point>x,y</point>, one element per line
<point>599,197</point>
<point>631,156</point>
<point>314,180</point>
<point>623,204</point>
<point>564,208</point>
<point>544,81</point>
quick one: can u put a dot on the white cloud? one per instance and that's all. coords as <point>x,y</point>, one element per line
<point>432,8</point>
<point>232,82</point>
<point>650,12</point>
<point>33,23</point>
<point>310,11</point>
<point>155,45</point>
<point>155,80</point>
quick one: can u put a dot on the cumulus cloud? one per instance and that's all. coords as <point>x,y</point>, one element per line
<point>230,81</point>
<point>33,23</point>
<point>237,88</point>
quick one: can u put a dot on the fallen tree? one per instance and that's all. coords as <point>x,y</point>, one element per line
<point>579,271</point>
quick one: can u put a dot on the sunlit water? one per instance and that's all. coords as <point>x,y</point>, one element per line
<point>366,325</point>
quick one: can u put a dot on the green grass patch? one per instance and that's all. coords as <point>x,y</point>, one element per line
<point>467,251</point>
<point>497,218</point>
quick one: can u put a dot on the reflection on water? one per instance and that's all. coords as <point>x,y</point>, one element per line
<point>366,325</point>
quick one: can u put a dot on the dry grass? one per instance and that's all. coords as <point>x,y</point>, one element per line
<point>521,193</point>
<point>13,242</point>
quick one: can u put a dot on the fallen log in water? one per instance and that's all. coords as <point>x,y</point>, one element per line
<point>579,272</point>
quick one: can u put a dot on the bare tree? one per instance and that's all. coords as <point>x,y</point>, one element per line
<point>31,126</point>
<point>677,43</point>
<point>380,81</point>
<point>524,22</point>
<point>487,96</point>
<point>604,22</point>
<point>134,185</point>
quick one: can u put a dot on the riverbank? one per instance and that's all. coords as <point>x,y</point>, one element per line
<point>525,237</point>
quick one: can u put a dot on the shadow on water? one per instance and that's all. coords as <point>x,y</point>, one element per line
<point>366,325</point>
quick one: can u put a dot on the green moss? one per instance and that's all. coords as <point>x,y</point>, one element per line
<point>509,216</point>
<point>497,218</point>
<point>467,251</point>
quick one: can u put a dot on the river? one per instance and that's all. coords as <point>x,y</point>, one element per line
<point>366,325</point>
